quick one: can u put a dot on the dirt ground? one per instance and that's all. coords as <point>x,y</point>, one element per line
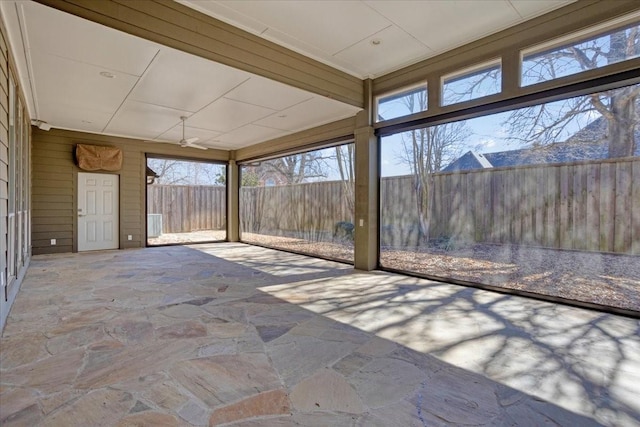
<point>606,279</point>
<point>191,237</point>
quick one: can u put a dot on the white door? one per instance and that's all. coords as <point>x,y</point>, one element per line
<point>97,211</point>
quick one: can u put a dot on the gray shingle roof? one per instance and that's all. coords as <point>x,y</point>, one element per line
<point>587,144</point>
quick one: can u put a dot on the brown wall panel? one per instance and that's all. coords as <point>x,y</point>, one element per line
<point>4,135</point>
<point>52,192</point>
<point>55,181</point>
<point>47,231</point>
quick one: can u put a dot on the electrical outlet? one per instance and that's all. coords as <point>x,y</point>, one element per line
<point>53,242</point>
<point>129,237</point>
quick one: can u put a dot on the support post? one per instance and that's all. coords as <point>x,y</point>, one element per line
<point>233,205</point>
<point>366,209</point>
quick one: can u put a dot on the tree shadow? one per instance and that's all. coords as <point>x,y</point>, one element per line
<point>524,350</point>
<point>415,352</point>
<point>579,359</point>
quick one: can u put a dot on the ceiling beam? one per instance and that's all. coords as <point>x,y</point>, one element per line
<point>172,24</point>
<point>340,131</point>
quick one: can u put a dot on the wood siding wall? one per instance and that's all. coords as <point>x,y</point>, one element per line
<point>12,271</point>
<point>186,208</point>
<point>55,185</point>
<point>4,155</point>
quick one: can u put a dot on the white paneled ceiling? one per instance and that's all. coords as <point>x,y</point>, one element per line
<point>83,76</point>
<point>369,38</point>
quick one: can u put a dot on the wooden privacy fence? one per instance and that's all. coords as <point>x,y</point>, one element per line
<point>308,210</point>
<point>592,206</point>
<point>186,208</point>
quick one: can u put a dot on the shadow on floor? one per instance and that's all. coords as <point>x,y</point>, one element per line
<point>233,334</point>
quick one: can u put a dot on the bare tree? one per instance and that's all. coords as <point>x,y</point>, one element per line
<point>426,151</point>
<point>345,159</point>
<point>167,171</point>
<point>181,172</point>
<point>298,168</point>
<point>474,85</point>
<point>549,123</point>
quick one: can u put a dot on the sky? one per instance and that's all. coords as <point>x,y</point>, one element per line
<point>487,134</point>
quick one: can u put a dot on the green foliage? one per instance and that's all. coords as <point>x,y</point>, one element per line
<point>250,178</point>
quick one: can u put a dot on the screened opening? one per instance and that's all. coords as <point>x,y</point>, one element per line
<point>598,48</point>
<point>476,82</point>
<point>186,201</point>
<point>542,199</point>
<point>301,203</point>
<point>17,195</point>
<point>393,106</point>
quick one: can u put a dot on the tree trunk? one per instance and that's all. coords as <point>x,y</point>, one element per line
<point>345,167</point>
<point>622,124</point>
<point>424,186</point>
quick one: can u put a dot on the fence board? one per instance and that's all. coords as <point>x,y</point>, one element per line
<point>565,208</point>
<point>579,219</point>
<point>592,237</point>
<point>538,205</point>
<point>551,200</point>
<point>607,206</point>
<point>622,239</point>
<point>188,208</point>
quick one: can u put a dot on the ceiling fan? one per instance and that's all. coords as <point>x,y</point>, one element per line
<point>189,142</point>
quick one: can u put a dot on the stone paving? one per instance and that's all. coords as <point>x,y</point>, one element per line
<point>230,334</point>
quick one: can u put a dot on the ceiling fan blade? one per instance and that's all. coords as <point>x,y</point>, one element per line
<point>201,147</point>
<point>191,140</point>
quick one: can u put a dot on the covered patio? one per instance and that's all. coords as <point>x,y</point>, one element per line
<point>232,334</point>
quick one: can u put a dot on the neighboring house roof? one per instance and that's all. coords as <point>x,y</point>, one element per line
<point>469,160</point>
<point>151,175</point>
<point>587,144</point>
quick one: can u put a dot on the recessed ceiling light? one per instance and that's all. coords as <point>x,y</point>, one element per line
<point>376,42</point>
<point>107,74</point>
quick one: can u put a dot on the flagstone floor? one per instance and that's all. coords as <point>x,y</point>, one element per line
<point>231,334</point>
